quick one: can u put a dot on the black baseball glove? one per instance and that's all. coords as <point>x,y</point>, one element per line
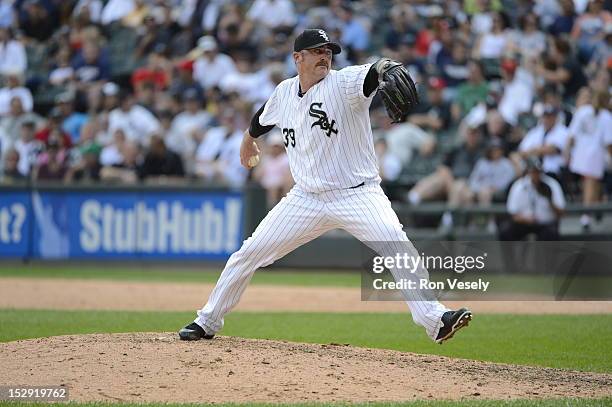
<point>396,88</point>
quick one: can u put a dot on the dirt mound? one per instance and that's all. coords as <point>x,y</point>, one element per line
<point>159,367</point>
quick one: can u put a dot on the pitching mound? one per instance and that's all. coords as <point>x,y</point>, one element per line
<point>159,367</point>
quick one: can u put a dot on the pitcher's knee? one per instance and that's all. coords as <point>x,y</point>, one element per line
<point>252,255</point>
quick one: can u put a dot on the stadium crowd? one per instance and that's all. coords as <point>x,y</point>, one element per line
<point>160,91</point>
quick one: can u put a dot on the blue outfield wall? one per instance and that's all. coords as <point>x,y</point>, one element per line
<point>62,223</point>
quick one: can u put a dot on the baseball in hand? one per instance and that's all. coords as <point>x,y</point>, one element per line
<point>253,161</point>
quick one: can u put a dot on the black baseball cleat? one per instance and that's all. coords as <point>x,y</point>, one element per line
<point>452,321</point>
<point>194,332</point>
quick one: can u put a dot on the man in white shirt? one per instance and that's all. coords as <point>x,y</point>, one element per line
<point>137,122</point>
<point>518,91</point>
<point>210,66</point>
<point>546,141</point>
<point>272,13</point>
<point>12,54</point>
<point>13,89</point>
<point>218,155</point>
<point>536,204</point>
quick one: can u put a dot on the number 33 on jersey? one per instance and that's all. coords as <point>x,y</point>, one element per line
<point>326,131</point>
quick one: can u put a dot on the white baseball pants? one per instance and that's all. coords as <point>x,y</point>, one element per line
<point>300,217</point>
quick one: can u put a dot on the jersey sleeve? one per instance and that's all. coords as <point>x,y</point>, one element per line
<point>353,78</point>
<point>270,115</point>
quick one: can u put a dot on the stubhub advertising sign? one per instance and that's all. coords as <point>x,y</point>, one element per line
<point>196,225</point>
<point>14,224</point>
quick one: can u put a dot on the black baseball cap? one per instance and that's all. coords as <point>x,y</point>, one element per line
<point>314,38</point>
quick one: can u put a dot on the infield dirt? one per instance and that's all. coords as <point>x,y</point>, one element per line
<point>74,294</point>
<point>158,367</point>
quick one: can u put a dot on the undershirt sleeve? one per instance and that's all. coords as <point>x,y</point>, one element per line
<point>256,129</point>
<point>370,82</point>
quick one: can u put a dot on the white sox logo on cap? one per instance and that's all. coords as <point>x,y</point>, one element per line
<point>324,35</point>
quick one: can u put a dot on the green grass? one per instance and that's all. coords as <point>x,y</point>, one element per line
<point>563,341</point>
<point>180,274</point>
<point>477,403</point>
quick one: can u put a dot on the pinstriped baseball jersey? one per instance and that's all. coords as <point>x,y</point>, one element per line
<point>327,131</point>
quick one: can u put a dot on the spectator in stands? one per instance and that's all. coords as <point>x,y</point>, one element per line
<point>457,166</point>
<point>54,129</point>
<point>453,63</point>
<point>528,41</point>
<point>518,91</point>
<point>91,64</point>
<point>210,65</point>
<point>355,37</point>
<point>73,121</point>
<point>87,168</point>
<point>493,43</point>
<point>470,93</point>
<point>564,23</point>
<point>586,143</point>
<point>404,139</point>
<point>273,171</point>
<point>482,15</point>
<point>217,158</point>
<point>490,177</point>
<point>546,142</point>
<point>433,113</point>
<point>13,88</point>
<point>137,122</point>
<point>389,165</point>
<point>403,22</point>
<point>28,147</point>
<point>602,54</point>
<point>107,101</point>
<point>126,171</point>
<point>52,163</point>
<point>535,203</point>
<point>111,154</point>
<point>157,71</point>
<point>10,171</point>
<point>232,30</point>
<point>276,15</point>
<point>589,28</point>
<point>10,125</point>
<point>38,19</point>
<point>562,68</point>
<point>185,81</point>
<point>160,164</point>
<point>153,39</point>
<point>12,54</point>
<point>62,72</point>
<point>406,54</point>
<point>187,125</point>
